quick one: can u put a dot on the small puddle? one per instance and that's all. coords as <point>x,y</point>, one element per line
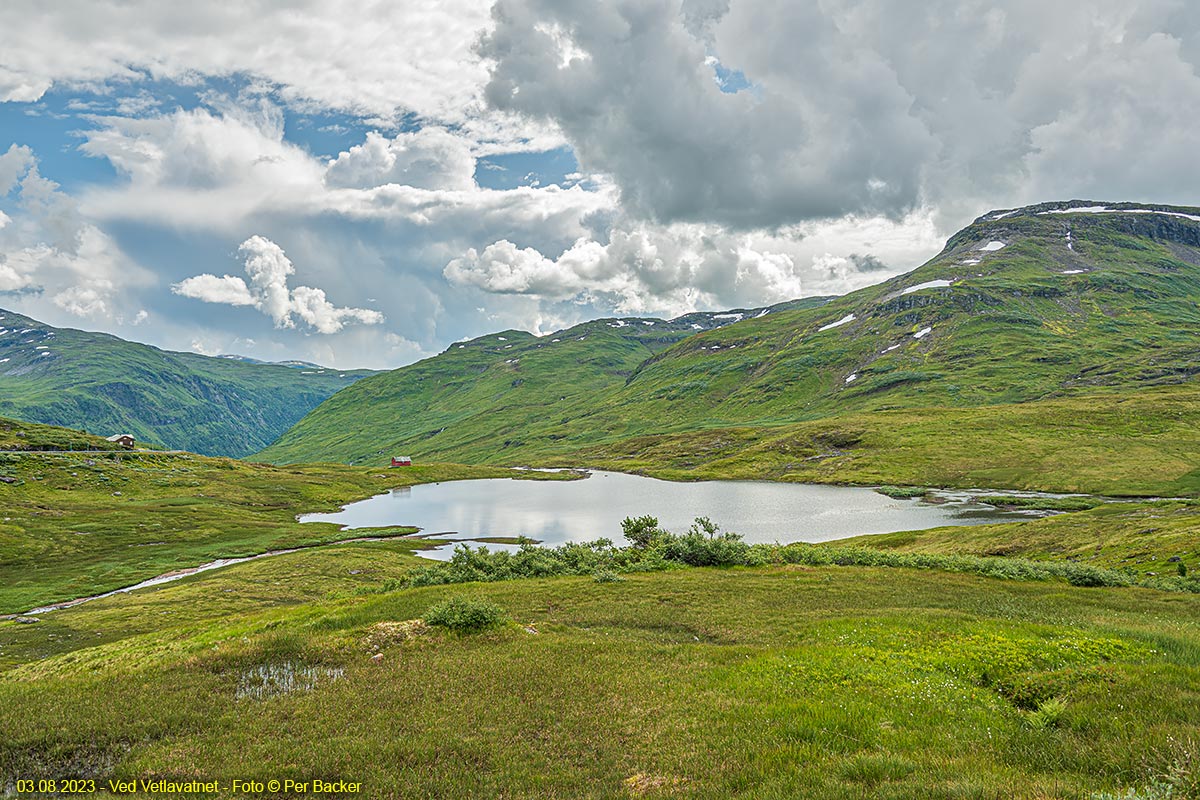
<point>274,680</point>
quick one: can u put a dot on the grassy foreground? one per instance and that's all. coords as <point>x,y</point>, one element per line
<point>83,523</point>
<point>779,681</point>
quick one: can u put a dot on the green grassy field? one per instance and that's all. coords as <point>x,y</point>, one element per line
<point>781,682</point>
<point>1144,537</point>
<point>823,673</point>
<point>83,523</point>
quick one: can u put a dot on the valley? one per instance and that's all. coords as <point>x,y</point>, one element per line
<point>1048,656</point>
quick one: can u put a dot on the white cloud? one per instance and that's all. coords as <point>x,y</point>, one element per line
<point>377,59</point>
<point>430,158</point>
<point>51,251</point>
<point>211,289</point>
<point>268,268</point>
<point>14,163</point>
<point>860,107</point>
<point>679,268</point>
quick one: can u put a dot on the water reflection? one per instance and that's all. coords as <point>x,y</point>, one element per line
<point>554,512</point>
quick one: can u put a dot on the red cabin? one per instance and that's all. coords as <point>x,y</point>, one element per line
<point>401,461</point>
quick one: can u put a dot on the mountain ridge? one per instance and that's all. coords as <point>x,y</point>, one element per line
<point>1054,300</point>
<point>100,382</point>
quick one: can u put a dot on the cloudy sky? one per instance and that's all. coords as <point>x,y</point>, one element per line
<point>362,183</point>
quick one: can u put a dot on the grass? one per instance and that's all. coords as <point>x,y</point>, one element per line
<point>74,525</point>
<point>777,681</point>
<point>1117,444</point>
<point>811,671</point>
<point>1146,538</point>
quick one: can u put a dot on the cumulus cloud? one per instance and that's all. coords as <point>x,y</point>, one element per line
<point>268,269</point>
<point>673,269</point>
<point>215,167</point>
<point>429,158</point>
<point>859,107</point>
<point>644,108</point>
<point>51,251</point>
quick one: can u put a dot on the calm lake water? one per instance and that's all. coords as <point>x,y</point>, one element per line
<point>555,512</point>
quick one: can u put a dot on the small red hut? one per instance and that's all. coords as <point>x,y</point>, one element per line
<point>401,461</point>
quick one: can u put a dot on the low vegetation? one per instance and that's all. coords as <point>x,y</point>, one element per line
<point>704,545</point>
<point>784,680</point>
<point>77,524</point>
<point>1151,539</point>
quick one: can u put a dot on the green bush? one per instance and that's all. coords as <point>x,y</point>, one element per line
<point>466,614</point>
<point>642,532</point>
<point>704,545</point>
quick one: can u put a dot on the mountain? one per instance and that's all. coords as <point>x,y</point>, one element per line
<point>492,388</point>
<point>1043,319</point>
<point>106,385</point>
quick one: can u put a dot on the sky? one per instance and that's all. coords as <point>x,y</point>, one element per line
<point>361,184</point>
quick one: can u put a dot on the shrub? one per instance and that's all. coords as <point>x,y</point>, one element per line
<point>642,532</point>
<point>607,576</point>
<point>466,614</point>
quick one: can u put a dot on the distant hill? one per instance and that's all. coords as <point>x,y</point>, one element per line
<point>493,390</point>
<point>1024,307</point>
<point>106,385</point>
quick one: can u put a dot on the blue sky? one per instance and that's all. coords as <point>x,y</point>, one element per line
<point>363,185</point>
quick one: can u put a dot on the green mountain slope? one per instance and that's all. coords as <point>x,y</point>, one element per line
<point>488,393</point>
<point>106,385</point>
<point>1035,305</point>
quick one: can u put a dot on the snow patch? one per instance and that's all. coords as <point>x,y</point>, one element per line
<point>647,322</point>
<point>1073,271</point>
<point>501,338</point>
<point>842,321</point>
<point>1079,210</point>
<point>618,324</point>
<point>1106,210</point>
<point>728,316</point>
<point>992,247</point>
<point>762,313</point>
<point>927,285</point>
<point>1004,214</point>
<point>697,327</point>
<point>970,261</point>
<point>922,333</point>
<point>890,349</point>
<point>852,378</point>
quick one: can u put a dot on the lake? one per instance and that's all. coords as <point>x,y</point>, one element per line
<point>555,512</point>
